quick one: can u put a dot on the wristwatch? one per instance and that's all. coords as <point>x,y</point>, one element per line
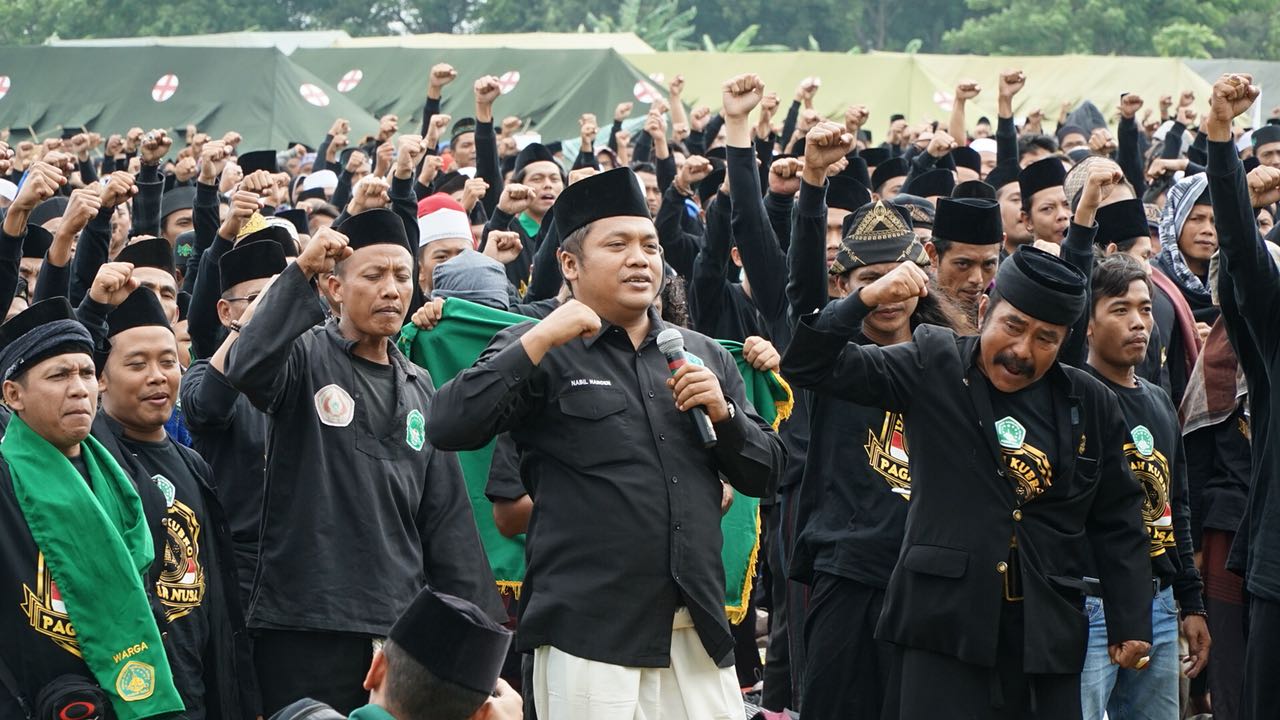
<point>733,412</point>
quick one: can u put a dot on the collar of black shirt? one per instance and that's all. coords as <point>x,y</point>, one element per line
<point>656,325</point>
<point>393,353</point>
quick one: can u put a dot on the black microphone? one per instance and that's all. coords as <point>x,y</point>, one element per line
<point>671,343</point>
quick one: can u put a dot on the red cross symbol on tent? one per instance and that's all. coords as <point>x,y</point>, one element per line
<point>164,88</point>
<point>313,95</point>
<point>4,85</point>
<point>350,81</point>
<point>645,92</point>
<point>508,81</point>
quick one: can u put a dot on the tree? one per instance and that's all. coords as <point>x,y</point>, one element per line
<point>664,26</point>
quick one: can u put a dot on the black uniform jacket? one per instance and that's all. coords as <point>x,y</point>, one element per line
<point>946,593</point>
<point>353,525</point>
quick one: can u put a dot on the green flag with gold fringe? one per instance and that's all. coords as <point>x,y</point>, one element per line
<point>465,329</point>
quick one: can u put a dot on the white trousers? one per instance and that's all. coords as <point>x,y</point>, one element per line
<point>566,687</point>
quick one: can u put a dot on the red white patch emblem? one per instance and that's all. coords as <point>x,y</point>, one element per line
<point>334,406</point>
<point>4,85</point>
<point>350,81</point>
<point>508,81</point>
<point>164,88</point>
<point>313,94</point>
<point>944,100</point>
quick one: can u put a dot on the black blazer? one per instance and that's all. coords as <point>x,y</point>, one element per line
<point>946,593</point>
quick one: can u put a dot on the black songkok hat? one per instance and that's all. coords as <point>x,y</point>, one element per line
<point>888,170</point>
<point>1250,163</point>
<point>461,127</point>
<point>1264,135</point>
<point>974,189</point>
<point>43,330</point>
<point>1041,175</point>
<point>932,183</point>
<point>846,194</point>
<point>184,304</point>
<point>708,185</point>
<point>179,198</point>
<point>874,157</point>
<point>613,193</point>
<point>856,170</point>
<point>374,227</point>
<point>1002,175</point>
<point>258,160</point>
<point>250,261</point>
<point>151,252</point>
<point>47,210</point>
<point>972,221</point>
<point>36,243</point>
<point>878,233</point>
<point>1121,221</point>
<point>1042,285</point>
<point>920,211</point>
<point>315,193</point>
<point>555,146</point>
<point>966,157</point>
<point>532,153</point>
<point>140,309</point>
<point>453,639</point>
<point>296,217</point>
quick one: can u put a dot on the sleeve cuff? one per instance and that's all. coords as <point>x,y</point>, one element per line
<point>813,200</point>
<point>843,317</point>
<point>513,364</point>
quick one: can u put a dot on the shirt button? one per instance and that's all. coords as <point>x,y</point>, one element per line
<point>674,480</point>
<point>661,436</point>
<point>1002,567</point>
<point>650,393</point>
<point>1017,515</point>
<point>677,527</point>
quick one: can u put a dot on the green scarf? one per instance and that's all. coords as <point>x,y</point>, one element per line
<point>370,712</point>
<point>97,545</point>
<point>454,345</point>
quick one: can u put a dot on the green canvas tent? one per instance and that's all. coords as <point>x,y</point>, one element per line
<point>548,89</point>
<point>921,86</point>
<point>257,92</point>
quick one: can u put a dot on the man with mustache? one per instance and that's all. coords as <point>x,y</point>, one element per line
<point>1120,325</point>
<point>359,511</point>
<point>1021,485</point>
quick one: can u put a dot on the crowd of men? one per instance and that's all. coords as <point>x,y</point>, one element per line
<point>1027,473</point>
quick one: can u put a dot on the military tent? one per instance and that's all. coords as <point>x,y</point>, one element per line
<point>257,92</point>
<point>548,89</point>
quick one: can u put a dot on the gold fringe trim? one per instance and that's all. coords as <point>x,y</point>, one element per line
<point>511,586</point>
<point>738,613</point>
<point>783,408</point>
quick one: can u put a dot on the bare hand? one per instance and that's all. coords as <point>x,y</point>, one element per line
<point>213,158</point>
<point>43,181</point>
<point>1264,186</point>
<point>1196,631</point>
<point>1102,142</point>
<point>120,187</point>
<point>244,203</point>
<point>515,199</point>
<point>387,126</point>
<point>825,144</point>
<point>1130,104</point>
<point>784,176</point>
<point>428,316</point>
<point>155,145</point>
<point>622,112</point>
<point>472,191</point>
<point>741,94</point>
<point>326,249</point>
<point>761,354</point>
<point>571,320</point>
<point>1130,653</point>
<point>696,386</point>
<point>113,283</point>
<point>901,284</point>
<point>967,90</point>
<point>442,74</point>
<point>941,143</point>
<point>1011,83</point>
<point>504,246</point>
<point>82,206</point>
<point>487,90</point>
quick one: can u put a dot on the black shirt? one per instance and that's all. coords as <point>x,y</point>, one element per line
<point>853,499</point>
<point>1154,450</point>
<point>181,588</point>
<point>231,434</point>
<point>1025,432</point>
<point>626,514</point>
<point>39,640</point>
<point>1218,467</point>
<point>377,392</point>
<point>354,523</point>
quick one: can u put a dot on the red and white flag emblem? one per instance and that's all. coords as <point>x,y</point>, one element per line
<point>350,81</point>
<point>508,81</point>
<point>314,95</point>
<point>164,88</point>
